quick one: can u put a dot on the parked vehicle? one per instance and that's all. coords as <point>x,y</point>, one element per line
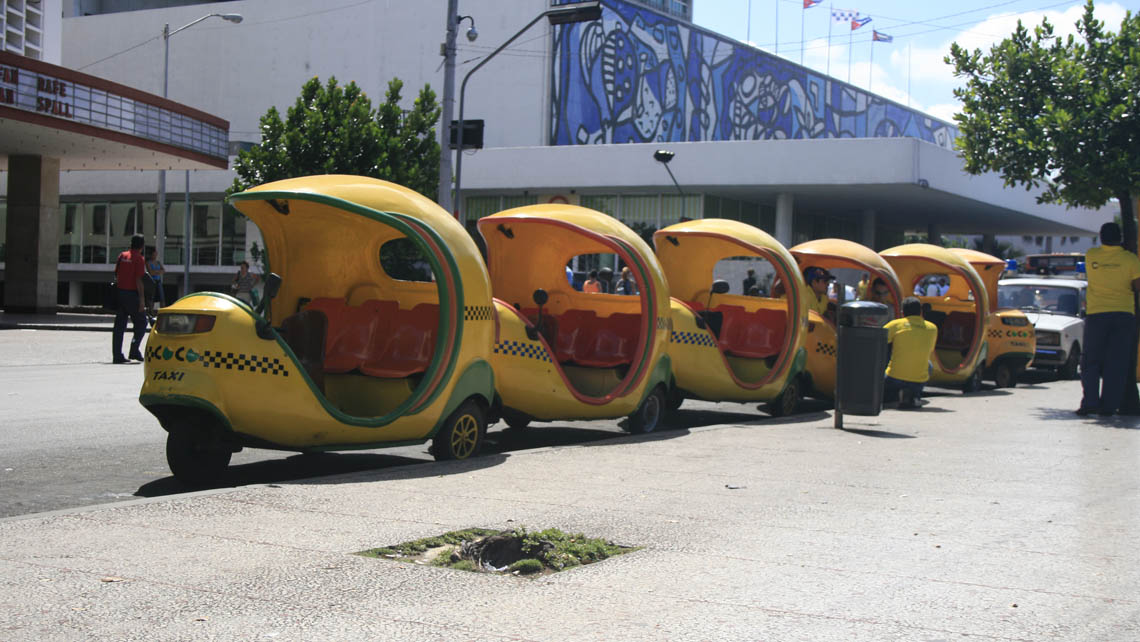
<point>563,354</point>
<point>377,332</point>
<point>835,254</point>
<point>1064,264</point>
<point>726,346</point>
<point>1010,338</point>
<point>961,314</point>
<point>1056,308</point>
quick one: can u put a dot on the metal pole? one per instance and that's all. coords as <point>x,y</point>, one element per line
<point>449,50</point>
<point>459,206</point>
<point>850,52</point>
<point>871,70</point>
<point>186,236</point>
<point>777,21</point>
<point>830,21</point>
<point>802,12</point>
<point>908,75</point>
<point>748,31</point>
<point>160,207</point>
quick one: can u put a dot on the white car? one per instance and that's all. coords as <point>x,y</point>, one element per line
<point>1056,308</point>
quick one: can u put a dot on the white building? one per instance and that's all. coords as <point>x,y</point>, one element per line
<point>571,112</point>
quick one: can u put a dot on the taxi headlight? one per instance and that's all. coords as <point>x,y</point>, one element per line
<point>1048,339</point>
<point>176,323</point>
<point>1017,321</point>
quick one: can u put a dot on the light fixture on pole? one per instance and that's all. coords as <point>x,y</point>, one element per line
<point>448,50</point>
<point>160,209</point>
<point>560,15</point>
<point>663,156</point>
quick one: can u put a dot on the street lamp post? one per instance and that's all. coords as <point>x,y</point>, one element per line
<point>160,210</point>
<point>448,49</point>
<point>663,156</point>
<point>560,15</point>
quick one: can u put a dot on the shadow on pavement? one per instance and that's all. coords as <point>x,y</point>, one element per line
<point>1127,422</point>
<point>879,434</point>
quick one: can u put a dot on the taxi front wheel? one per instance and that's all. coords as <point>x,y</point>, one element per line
<point>195,458</point>
<point>648,415</point>
<point>462,434</point>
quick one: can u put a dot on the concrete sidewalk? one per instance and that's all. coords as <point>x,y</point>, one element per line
<point>995,516</point>
<point>59,321</point>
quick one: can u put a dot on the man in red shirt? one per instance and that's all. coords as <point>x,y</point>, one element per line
<point>130,270</point>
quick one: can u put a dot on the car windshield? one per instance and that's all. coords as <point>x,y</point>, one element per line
<point>1047,298</point>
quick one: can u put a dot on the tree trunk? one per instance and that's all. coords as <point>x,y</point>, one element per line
<point>1130,405</point>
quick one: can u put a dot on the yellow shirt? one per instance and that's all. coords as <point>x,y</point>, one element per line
<point>817,302</point>
<point>861,289</point>
<point>1110,270</point>
<point>913,339</point>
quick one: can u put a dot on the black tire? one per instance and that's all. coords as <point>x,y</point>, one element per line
<point>648,415</point>
<point>1005,376</point>
<point>461,436</point>
<point>788,401</point>
<point>1072,367</point>
<point>674,399</point>
<point>973,382</point>
<point>195,457</point>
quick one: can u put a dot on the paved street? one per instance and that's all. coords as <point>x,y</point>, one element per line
<point>74,433</point>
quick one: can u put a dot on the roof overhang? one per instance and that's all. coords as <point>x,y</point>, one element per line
<point>905,181</point>
<point>89,123</point>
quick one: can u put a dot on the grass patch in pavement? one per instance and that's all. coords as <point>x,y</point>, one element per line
<point>515,552</point>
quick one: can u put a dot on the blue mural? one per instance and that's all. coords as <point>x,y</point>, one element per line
<point>636,76</point>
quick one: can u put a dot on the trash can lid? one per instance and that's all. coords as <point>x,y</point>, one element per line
<point>864,314</point>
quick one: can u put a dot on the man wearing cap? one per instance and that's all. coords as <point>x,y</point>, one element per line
<point>912,339</point>
<point>817,279</point>
<point>1110,323</point>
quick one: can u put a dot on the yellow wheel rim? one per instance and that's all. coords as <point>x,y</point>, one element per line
<point>464,437</point>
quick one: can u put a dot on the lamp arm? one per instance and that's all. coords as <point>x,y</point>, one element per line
<point>191,24</point>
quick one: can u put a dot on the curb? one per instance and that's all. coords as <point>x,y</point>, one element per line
<point>48,326</point>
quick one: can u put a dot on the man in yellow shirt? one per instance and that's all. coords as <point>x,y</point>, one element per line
<point>912,339</point>
<point>1110,323</point>
<point>817,279</point>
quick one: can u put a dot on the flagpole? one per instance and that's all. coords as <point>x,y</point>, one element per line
<point>871,64</point>
<point>777,27</point>
<point>830,20</point>
<point>908,75</point>
<point>802,12</point>
<point>850,50</point>
<point>748,30</point>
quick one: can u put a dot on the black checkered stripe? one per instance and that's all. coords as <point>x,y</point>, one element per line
<point>995,334</point>
<point>478,313</point>
<point>244,362</point>
<point>521,349</point>
<point>693,338</point>
<point>825,348</point>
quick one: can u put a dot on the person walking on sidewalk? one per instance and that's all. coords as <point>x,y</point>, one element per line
<point>912,339</point>
<point>243,283</point>
<point>1110,323</point>
<point>130,270</point>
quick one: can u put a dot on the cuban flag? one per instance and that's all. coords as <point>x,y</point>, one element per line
<point>808,4</point>
<point>859,22</point>
<point>878,36</point>
<point>844,15</point>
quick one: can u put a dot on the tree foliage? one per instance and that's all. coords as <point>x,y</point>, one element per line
<point>335,130</point>
<point>1057,114</point>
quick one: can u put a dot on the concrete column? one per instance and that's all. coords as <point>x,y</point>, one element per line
<point>870,218</point>
<point>74,293</point>
<point>989,243</point>
<point>933,234</point>
<point>1048,244</point>
<point>785,202</point>
<point>32,266</point>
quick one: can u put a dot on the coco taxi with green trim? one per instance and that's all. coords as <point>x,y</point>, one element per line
<point>563,353</point>
<point>376,330</point>
<point>727,346</point>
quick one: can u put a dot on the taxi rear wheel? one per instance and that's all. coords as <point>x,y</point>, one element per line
<point>1004,376</point>
<point>462,434</point>
<point>973,382</point>
<point>647,417</point>
<point>787,402</point>
<point>516,421</point>
<point>674,399</point>
<point>195,457</point>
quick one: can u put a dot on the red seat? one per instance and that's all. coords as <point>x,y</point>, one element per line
<point>753,335</point>
<point>573,328</point>
<point>957,331</point>
<point>410,346</point>
<point>610,341</point>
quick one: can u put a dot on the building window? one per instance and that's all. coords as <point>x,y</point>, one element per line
<point>206,239</point>
<point>3,229</point>
<point>233,236</point>
<point>604,203</point>
<point>94,228</point>
<point>71,233</point>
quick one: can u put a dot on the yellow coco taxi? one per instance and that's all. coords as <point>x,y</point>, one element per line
<point>961,311</point>
<point>882,286</point>
<point>726,346</point>
<point>565,354</point>
<point>1010,339</point>
<point>379,334</point>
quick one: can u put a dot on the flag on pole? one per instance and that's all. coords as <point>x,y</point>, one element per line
<point>808,4</point>
<point>859,22</point>
<point>878,36</point>
<point>844,15</point>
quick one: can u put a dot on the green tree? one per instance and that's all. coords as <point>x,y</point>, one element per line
<point>1059,114</point>
<point>335,130</point>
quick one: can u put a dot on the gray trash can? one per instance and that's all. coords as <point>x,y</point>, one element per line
<point>862,357</point>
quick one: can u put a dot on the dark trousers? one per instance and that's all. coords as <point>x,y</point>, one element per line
<point>128,308</point>
<point>1105,360</point>
<point>892,387</point>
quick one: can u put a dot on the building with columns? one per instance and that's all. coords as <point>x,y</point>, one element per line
<point>571,113</point>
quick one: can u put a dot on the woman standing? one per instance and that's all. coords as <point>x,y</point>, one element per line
<point>243,283</point>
